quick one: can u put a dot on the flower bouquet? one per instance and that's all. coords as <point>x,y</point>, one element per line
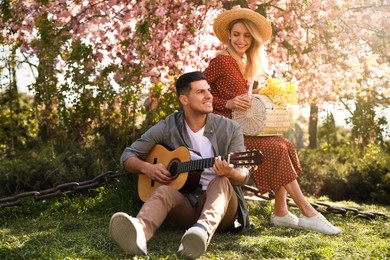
<point>280,92</point>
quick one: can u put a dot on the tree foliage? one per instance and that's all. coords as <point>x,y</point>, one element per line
<point>96,60</point>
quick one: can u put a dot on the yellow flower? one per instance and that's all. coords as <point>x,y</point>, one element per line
<point>280,92</point>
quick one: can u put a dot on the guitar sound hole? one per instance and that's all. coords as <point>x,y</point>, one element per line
<point>173,168</point>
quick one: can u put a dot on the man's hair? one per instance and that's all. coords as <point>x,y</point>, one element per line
<point>183,83</point>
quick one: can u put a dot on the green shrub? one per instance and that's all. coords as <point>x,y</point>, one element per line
<point>315,168</point>
<point>49,165</point>
<point>369,181</point>
<point>347,173</point>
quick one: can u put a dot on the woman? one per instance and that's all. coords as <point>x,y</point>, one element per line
<point>244,31</point>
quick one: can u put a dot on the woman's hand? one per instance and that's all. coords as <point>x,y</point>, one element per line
<point>242,102</point>
<point>256,91</point>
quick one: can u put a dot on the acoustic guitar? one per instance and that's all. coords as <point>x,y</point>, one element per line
<point>186,172</point>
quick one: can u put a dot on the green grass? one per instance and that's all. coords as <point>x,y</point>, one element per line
<point>77,228</point>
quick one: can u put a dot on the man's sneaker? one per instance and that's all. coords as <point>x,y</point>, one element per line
<point>128,233</point>
<point>194,242</point>
<point>289,220</point>
<point>319,223</point>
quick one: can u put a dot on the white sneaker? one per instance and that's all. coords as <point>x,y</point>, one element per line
<point>193,243</point>
<point>289,220</point>
<point>318,223</point>
<point>128,233</point>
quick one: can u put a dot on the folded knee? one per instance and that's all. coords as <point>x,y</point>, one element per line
<point>221,181</point>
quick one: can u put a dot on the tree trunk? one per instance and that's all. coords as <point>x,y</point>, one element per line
<point>13,96</point>
<point>313,122</point>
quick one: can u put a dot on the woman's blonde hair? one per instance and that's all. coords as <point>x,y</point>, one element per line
<point>253,63</point>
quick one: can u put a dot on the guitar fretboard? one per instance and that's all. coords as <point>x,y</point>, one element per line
<point>194,165</point>
<point>237,159</point>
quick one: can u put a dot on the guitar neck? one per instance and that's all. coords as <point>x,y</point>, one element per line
<point>249,158</point>
<point>195,165</point>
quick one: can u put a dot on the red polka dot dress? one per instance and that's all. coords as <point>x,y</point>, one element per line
<point>281,164</point>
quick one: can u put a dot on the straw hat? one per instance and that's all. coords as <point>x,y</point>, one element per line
<point>222,22</point>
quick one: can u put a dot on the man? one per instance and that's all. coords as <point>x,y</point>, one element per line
<point>216,204</point>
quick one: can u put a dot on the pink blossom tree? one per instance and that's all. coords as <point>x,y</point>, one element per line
<point>334,49</point>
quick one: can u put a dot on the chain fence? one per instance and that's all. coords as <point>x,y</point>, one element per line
<point>320,206</point>
<point>106,178</point>
<point>64,189</point>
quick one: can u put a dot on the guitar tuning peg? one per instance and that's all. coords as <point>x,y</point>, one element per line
<point>250,168</point>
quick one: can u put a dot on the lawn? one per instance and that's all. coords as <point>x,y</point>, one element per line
<point>76,227</point>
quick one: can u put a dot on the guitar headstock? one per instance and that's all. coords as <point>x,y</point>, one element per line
<point>248,158</point>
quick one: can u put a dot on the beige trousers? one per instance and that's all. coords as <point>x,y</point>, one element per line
<point>216,208</point>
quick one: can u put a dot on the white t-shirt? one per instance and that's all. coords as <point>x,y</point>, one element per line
<point>202,145</point>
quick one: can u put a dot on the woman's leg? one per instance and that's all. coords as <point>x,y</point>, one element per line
<point>304,206</point>
<point>280,204</point>
<point>310,218</point>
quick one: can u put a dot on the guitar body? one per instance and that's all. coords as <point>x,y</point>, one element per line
<point>187,172</point>
<point>184,181</point>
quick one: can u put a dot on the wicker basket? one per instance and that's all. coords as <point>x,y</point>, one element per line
<point>263,118</point>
